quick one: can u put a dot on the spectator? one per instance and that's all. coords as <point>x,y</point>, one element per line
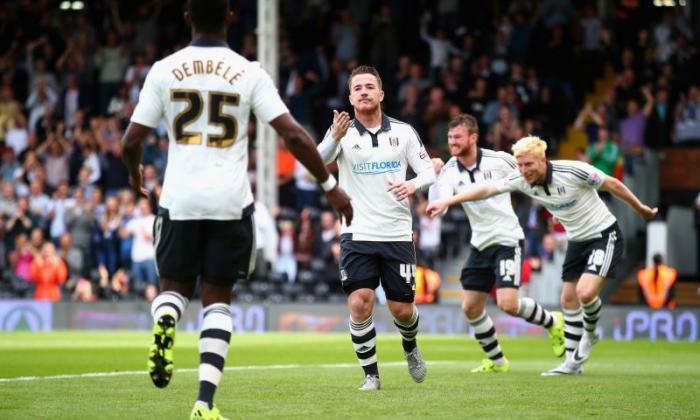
<point>121,105</point>
<point>286,261</point>
<point>16,132</point>
<point>384,41</point>
<point>134,78</point>
<point>504,130</point>
<point>10,166</point>
<point>492,110</point>
<point>415,78</point>
<point>55,152</point>
<point>48,273</point>
<point>688,116</point>
<point>440,48</point>
<point>39,202</point>
<point>345,36</point>
<point>41,104</point>
<point>110,223</point>
<point>285,175</point>
<point>660,121</point>
<point>73,258</point>
<point>143,266</point>
<point>114,174</point>
<point>590,120</point>
<point>305,240</point>
<point>112,61</point>
<point>20,222</point>
<point>8,200</point>
<point>306,187</point>
<point>21,258</point>
<point>605,153</point>
<point>80,222</point>
<point>632,129</point>
<point>266,240</point>
<point>72,98</point>
<point>657,284</point>
<point>59,205</point>
<point>329,235</point>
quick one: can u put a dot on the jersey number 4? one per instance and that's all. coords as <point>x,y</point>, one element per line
<point>216,117</point>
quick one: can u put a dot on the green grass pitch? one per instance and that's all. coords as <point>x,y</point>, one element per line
<point>315,376</point>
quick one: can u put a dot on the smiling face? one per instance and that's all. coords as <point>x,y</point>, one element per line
<point>533,168</point>
<point>460,141</point>
<point>366,93</point>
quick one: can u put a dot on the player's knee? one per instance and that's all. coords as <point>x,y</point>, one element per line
<point>360,308</point>
<point>403,313</point>
<point>471,311</point>
<point>586,292</point>
<point>509,306</point>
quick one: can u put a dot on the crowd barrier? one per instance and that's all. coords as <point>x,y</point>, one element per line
<point>617,322</point>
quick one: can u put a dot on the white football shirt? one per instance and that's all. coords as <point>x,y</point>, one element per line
<point>570,193</point>
<point>492,220</point>
<point>205,92</point>
<point>367,162</point>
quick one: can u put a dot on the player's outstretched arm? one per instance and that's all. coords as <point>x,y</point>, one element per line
<point>131,156</point>
<point>302,146</point>
<point>620,190</point>
<point>477,193</point>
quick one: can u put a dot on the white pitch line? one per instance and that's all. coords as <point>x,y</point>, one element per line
<point>191,370</point>
<point>526,363</point>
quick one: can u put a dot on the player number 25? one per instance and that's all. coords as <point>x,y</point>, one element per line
<point>216,117</point>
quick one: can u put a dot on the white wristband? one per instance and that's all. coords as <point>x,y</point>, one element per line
<point>329,183</point>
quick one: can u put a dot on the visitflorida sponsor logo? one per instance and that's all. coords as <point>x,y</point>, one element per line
<point>377,167</point>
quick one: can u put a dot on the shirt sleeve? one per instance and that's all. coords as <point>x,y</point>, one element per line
<point>419,161</point>
<point>149,109</point>
<point>587,174</point>
<point>266,102</point>
<point>329,149</point>
<point>508,164</point>
<point>512,182</point>
<point>417,156</point>
<point>442,188</point>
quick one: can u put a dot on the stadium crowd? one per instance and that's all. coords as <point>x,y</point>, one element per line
<point>72,229</point>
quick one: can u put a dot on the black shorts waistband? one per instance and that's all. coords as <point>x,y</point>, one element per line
<point>247,211</point>
<point>610,228</point>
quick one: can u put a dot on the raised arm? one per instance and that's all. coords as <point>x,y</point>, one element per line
<point>620,190</point>
<point>303,148</point>
<point>330,146</point>
<point>581,117</point>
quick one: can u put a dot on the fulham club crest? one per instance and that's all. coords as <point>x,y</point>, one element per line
<point>561,190</point>
<point>487,175</point>
<point>394,141</point>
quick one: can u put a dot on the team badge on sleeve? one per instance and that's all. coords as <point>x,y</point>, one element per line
<point>594,179</point>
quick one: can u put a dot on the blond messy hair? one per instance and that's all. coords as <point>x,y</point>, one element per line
<point>531,145</point>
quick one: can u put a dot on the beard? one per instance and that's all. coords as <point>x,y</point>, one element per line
<point>367,108</point>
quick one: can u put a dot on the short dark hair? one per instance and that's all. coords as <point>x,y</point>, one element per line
<point>466,120</point>
<point>658,259</point>
<point>208,16</point>
<point>365,70</point>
